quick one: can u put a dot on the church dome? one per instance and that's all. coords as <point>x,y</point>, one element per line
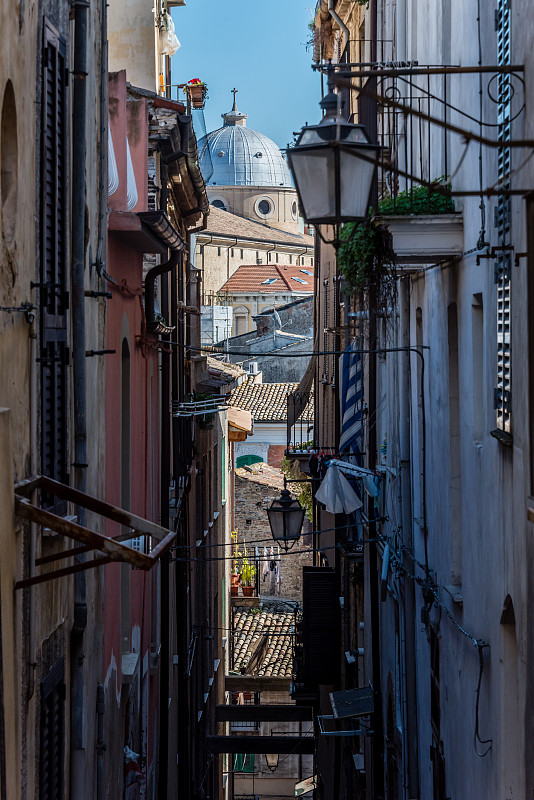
<point>242,157</point>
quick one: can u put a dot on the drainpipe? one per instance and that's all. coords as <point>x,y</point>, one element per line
<point>150,280</point>
<point>164,521</point>
<point>339,21</point>
<point>100,743</point>
<point>77,717</point>
<point>410,670</point>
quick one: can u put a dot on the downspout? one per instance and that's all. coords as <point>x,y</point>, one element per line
<point>164,521</point>
<point>410,641</point>
<point>150,281</point>
<point>339,21</point>
<point>78,759</point>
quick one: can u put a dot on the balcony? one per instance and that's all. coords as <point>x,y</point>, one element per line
<point>421,240</point>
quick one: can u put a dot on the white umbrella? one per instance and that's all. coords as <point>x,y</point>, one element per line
<point>336,493</point>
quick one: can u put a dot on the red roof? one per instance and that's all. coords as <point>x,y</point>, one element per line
<point>275,278</point>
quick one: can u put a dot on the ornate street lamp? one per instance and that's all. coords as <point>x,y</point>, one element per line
<point>333,164</point>
<point>271,760</point>
<point>286,516</point>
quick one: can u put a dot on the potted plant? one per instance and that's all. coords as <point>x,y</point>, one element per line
<point>198,91</point>
<point>248,573</point>
<point>236,555</point>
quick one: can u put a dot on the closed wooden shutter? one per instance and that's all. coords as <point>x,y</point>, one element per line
<point>320,625</point>
<point>503,273</point>
<point>54,262</point>
<point>52,735</point>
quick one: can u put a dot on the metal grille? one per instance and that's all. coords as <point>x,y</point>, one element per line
<point>52,734</point>
<point>503,224</point>
<point>53,263</point>
<point>326,316</point>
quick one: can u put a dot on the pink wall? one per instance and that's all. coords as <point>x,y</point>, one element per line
<point>125,321</point>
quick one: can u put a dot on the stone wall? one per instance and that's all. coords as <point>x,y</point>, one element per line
<point>255,488</point>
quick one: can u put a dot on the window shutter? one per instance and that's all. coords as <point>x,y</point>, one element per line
<point>54,263</point>
<point>503,274</point>
<point>52,735</point>
<point>320,625</point>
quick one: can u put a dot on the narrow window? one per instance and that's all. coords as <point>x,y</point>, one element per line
<point>53,264</point>
<point>52,734</point>
<point>125,445</point>
<point>455,474</point>
<point>477,339</point>
<point>218,251</point>
<point>290,259</point>
<point>241,254</point>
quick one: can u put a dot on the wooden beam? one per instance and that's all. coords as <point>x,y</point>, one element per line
<point>253,683</point>
<point>261,744</point>
<point>267,712</point>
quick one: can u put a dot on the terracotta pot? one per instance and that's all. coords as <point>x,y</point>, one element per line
<point>248,591</point>
<point>234,590</point>
<point>197,96</point>
<point>235,579</point>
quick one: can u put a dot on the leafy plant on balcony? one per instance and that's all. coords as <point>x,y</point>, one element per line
<point>366,259</point>
<point>420,200</point>
<point>292,471</point>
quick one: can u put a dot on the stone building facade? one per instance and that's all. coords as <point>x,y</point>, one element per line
<point>256,487</point>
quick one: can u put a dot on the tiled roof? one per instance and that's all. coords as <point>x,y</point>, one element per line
<point>225,224</point>
<point>267,401</point>
<point>266,278</point>
<point>263,474</point>
<point>272,632</point>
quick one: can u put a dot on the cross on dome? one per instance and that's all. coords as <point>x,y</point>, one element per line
<point>234,117</point>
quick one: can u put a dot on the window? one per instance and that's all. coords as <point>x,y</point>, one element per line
<point>218,204</point>
<point>241,324</point>
<point>8,162</point>
<point>53,264</point>
<point>241,254</point>
<point>311,262</point>
<point>269,281</point>
<point>294,209</point>
<point>218,251</point>
<point>244,762</point>
<point>299,280</point>
<point>306,272</point>
<point>455,472</point>
<point>290,259</point>
<point>503,272</point>
<point>52,734</point>
<point>264,207</point>
<point>232,252</point>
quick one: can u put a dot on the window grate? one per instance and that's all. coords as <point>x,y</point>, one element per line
<point>325,330</point>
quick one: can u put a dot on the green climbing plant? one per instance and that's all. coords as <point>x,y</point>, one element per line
<point>292,471</point>
<point>366,257</point>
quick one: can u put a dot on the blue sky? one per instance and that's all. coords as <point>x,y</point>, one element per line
<point>258,46</point>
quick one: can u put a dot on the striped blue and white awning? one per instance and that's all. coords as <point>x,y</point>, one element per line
<point>351,438</point>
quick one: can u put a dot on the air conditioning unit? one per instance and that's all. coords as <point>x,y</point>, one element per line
<point>253,368</point>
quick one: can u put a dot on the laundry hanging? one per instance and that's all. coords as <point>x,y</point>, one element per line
<point>336,493</point>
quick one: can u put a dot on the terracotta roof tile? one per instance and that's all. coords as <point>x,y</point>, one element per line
<point>277,628</point>
<point>266,278</point>
<point>226,224</point>
<point>267,401</point>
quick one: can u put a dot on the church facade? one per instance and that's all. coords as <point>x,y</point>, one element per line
<point>254,217</point>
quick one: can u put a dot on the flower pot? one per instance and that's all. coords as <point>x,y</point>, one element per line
<point>248,591</point>
<point>197,95</point>
<point>234,590</point>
